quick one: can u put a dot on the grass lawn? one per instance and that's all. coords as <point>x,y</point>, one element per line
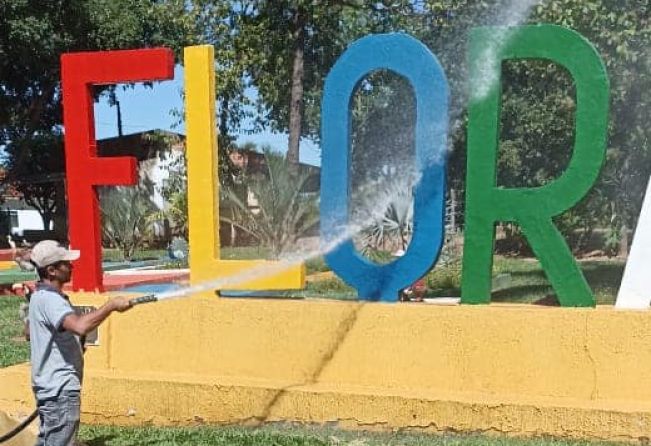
<point>115,255</point>
<point>281,435</point>
<point>528,282</point>
<point>514,280</point>
<point>13,346</point>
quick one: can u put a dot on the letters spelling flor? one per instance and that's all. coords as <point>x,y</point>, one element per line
<point>486,203</point>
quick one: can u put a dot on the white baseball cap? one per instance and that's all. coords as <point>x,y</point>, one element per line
<point>49,252</point>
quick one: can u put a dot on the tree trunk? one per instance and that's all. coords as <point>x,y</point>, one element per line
<point>296,98</point>
<point>233,237</point>
<point>47,219</point>
<point>233,230</point>
<point>623,242</point>
<point>453,211</point>
<point>61,213</point>
<point>223,115</point>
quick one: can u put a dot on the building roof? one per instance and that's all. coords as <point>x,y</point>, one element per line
<point>142,145</point>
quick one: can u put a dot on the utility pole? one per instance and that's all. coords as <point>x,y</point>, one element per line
<point>117,104</point>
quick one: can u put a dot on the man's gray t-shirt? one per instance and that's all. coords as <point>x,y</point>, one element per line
<point>56,354</point>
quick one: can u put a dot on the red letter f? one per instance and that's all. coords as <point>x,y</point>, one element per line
<point>84,169</point>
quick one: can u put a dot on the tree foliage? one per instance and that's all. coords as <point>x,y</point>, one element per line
<point>33,35</point>
<point>538,102</point>
<point>389,228</point>
<point>621,31</point>
<point>283,51</point>
<point>538,106</point>
<point>272,58</point>
<point>175,193</point>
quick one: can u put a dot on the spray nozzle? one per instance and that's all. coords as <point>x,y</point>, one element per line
<point>143,299</point>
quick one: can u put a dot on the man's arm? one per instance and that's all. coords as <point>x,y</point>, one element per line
<point>83,324</point>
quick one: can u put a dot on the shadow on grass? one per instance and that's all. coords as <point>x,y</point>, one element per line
<point>603,275</point>
<point>538,272</point>
<point>99,441</point>
<point>528,283</point>
<point>444,292</point>
<point>521,293</point>
<point>531,284</point>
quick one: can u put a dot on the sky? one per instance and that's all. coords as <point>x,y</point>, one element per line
<point>146,108</point>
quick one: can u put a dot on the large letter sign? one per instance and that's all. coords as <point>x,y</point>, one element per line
<point>411,59</point>
<point>531,208</point>
<point>486,202</point>
<point>203,187</point>
<point>84,169</point>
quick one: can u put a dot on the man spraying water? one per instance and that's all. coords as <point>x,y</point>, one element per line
<point>56,350</point>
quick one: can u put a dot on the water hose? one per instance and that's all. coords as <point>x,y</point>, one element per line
<point>148,298</point>
<point>23,424</point>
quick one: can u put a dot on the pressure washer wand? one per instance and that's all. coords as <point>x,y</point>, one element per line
<point>143,299</point>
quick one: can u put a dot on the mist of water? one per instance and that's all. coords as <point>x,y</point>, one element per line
<point>515,13</point>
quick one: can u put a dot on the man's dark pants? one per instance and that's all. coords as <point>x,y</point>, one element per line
<point>59,420</point>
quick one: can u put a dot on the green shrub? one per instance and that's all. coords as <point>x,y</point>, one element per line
<point>316,265</point>
<point>445,278</point>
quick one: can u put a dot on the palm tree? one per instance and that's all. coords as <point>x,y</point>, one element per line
<point>392,227</point>
<point>284,211</point>
<point>126,216</point>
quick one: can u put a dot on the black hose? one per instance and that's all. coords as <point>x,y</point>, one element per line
<point>16,430</point>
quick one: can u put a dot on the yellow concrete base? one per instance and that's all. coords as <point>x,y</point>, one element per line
<point>145,399</point>
<point>509,369</point>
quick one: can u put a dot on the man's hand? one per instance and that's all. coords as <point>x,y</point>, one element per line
<point>120,304</point>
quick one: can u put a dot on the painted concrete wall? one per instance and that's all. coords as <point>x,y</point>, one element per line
<point>511,369</point>
<point>521,351</point>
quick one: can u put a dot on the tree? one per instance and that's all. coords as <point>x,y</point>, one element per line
<point>284,212</point>
<point>621,31</point>
<point>33,35</point>
<point>175,193</point>
<point>301,41</point>
<point>284,49</point>
<point>538,101</point>
<point>39,176</point>
<point>218,23</point>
